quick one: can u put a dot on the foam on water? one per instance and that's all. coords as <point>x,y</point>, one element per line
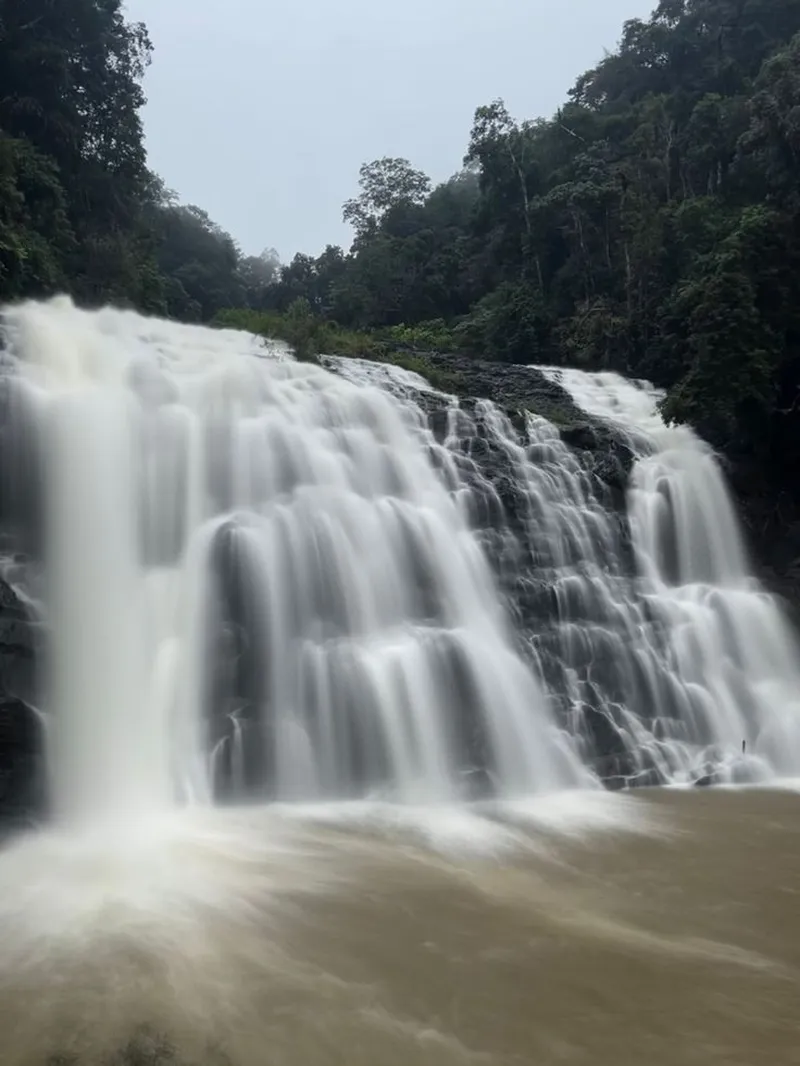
<point>163,885</point>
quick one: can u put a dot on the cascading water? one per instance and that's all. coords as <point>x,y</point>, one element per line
<point>257,586</point>
<point>266,581</point>
<point>691,665</point>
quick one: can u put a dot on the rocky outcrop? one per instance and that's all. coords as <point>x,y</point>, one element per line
<point>516,389</point>
<point>769,510</point>
<point>544,506</point>
<point>576,639</point>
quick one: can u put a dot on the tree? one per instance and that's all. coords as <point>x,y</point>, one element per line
<point>258,274</point>
<point>70,95</point>
<point>385,183</point>
<point>35,235</point>
<point>201,261</point>
<point>503,152</point>
<point>769,148</point>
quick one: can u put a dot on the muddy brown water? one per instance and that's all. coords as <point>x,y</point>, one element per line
<point>666,933</point>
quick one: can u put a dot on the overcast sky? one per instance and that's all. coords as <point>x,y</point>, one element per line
<point>262,112</point>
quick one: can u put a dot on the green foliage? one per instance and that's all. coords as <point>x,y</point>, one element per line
<point>79,211</point>
<point>200,260</point>
<point>444,380</point>
<point>729,322</point>
<point>509,324</point>
<point>303,330</point>
<point>35,234</point>
<point>433,336</point>
<point>309,335</point>
<point>70,95</point>
<point>385,184</point>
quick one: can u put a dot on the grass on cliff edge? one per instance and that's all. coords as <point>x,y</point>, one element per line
<point>311,336</point>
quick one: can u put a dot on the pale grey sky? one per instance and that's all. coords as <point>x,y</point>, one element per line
<point>263,112</point>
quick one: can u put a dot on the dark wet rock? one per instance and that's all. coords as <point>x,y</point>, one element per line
<point>519,389</point>
<point>609,456</point>
<point>21,770</point>
<point>21,777</point>
<point>18,645</point>
<point>583,437</point>
<point>770,515</point>
<point>509,385</point>
<point>605,736</point>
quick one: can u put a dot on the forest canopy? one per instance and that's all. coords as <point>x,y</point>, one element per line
<point>652,226</point>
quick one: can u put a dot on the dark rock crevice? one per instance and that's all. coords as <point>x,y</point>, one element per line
<point>21,729</point>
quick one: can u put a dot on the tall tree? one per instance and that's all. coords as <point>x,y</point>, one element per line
<point>385,183</point>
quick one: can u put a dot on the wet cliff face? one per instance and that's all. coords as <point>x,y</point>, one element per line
<point>21,792</point>
<point>769,506</point>
<point>551,483</point>
<point>770,514</point>
<point>600,645</point>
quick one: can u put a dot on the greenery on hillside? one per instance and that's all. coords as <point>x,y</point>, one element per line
<point>651,226</point>
<point>311,336</point>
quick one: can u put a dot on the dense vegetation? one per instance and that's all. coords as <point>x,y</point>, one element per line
<point>79,210</point>
<point>651,226</point>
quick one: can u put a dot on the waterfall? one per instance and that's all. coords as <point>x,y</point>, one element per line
<point>267,580</point>
<point>257,583</point>
<point>689,663</point>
